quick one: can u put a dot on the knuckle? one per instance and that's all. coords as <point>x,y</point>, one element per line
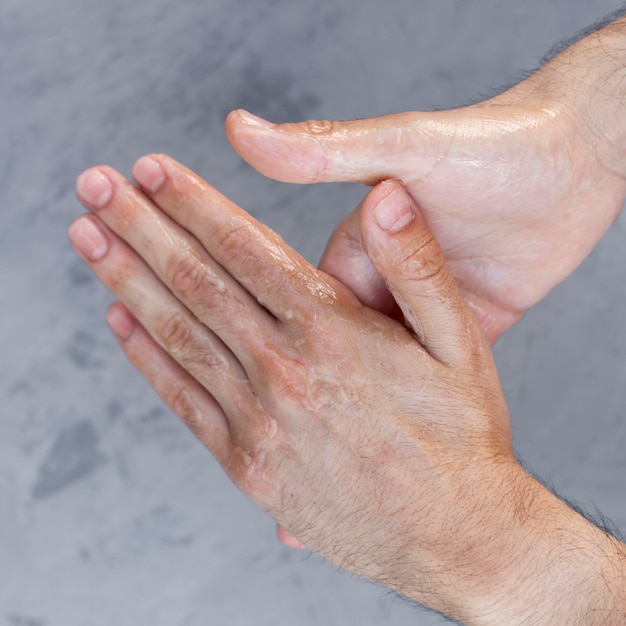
<point>253,474</point>
<point>175,333</point>
<point>178,399</point>
<point>422,259</point>
<point>231,243</point>
<point>203,360</point>
<point>283,380</point>
<point>186,275</point>
<point>319,127</point>
<point>319,167</point>
<point>327,395</point>
<point>215,363</point>
<point>289,387</point>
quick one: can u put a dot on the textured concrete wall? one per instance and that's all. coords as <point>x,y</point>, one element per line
<point>110,512</point>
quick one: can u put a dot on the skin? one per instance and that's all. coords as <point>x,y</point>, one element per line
<point>359,405</point>
<point>517,189</point>
<point>383,446</point>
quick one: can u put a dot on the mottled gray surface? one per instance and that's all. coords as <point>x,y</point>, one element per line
<point>110,512</point>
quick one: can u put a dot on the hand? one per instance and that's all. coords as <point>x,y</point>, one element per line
<point>517,190</point>
<point>384,448</point>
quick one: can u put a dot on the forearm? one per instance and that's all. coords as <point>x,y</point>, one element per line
<point>569,571</point>
<point>534,561</point>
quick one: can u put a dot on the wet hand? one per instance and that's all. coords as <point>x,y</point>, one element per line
<point>515,189</point>
<point>384,447</point>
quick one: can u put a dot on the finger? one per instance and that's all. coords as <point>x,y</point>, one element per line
<point>172,326</point>
<point>180,391</point>
<point>277,276</point>
<point>405,252</point>
<point>366,151</point>
<point>287,539</point>
<point>180,262</point>
<point>344,259</point>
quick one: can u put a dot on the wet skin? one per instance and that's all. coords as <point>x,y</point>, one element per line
<point>516,190</point>
<point>323,411</point>
<point>384,447</point>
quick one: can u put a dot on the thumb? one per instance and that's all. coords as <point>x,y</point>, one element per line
<point>365,151</point>
<point>402,248</point>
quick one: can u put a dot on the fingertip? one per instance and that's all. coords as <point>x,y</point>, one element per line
<point>395,210</point>
<point>121,321</point>
<point>94,187</point>
<point>396,237</point>
<point>288,540</point>
<point>240,122</point>
<point>382,190</point>
<point>88,237</point>
<point>388,210</point>
<point>249,119</point>
<point>149,173</point>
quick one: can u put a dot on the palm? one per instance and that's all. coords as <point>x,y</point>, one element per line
<point>515,195</point>
<point>514,201</point>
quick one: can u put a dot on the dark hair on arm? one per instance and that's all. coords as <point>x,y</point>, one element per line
<point>603,22</point>
<point>590,512</point>
<point>556,49</point>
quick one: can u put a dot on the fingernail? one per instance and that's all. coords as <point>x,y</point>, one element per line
<point>120,321</point>
<point>88,238</point>
<point>393,212</point>
<point>149,174</point>
<point>94,188</point>
<point>253,120</point>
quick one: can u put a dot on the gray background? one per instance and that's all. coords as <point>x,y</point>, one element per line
<point>110,512</point>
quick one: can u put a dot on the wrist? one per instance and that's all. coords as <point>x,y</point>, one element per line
<point>587,84</point>
<point>536,561</point>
